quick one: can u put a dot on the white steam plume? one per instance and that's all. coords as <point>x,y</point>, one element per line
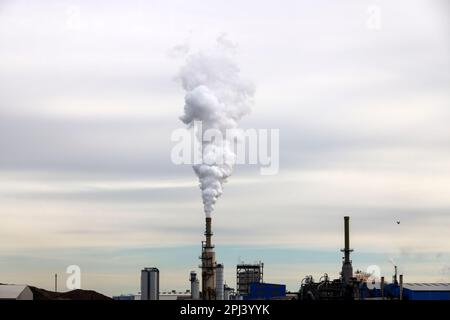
<point>217,96</point>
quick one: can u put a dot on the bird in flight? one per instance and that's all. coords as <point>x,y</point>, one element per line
<point>398,222</point>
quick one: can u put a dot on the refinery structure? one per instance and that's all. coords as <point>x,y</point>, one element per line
<point>250,283</point>
<point>218,101</point>
<point>208,265</point>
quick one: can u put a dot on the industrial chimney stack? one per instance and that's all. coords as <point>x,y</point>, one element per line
<point>208,265</point>
<point>347,269</point>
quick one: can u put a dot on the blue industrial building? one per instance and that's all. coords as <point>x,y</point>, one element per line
<point>411,291</point>
<point>426,291</point>
<point>265,291</point>
<point>125,297</point>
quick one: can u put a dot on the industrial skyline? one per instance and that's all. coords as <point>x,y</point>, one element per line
<point>88,103</point>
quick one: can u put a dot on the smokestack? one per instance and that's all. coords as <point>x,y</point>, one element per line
<point>401,287</point>
<point>347,269</point>
<point>394,278</point>
<point>382,288</point>
<point>208,265</point>
<point>347,239</point>
<point>208,233</point>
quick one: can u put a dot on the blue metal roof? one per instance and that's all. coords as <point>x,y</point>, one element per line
<point>427,286</point>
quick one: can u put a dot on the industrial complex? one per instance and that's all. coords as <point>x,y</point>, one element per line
<point>250,283</point>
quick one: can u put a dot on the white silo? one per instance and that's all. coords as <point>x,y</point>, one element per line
<point>219,282</point>
<point>150,284</point>
<point>195,286</point>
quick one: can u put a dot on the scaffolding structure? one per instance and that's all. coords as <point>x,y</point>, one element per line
<point>247,274</point>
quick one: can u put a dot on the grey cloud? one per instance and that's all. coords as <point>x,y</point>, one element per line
<point>118,147</point>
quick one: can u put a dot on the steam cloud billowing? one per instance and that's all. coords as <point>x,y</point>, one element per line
<point>217,96</point>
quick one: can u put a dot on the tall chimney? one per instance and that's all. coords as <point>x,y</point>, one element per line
<point>208,233</point>
<point>347,269</point>
<point>394,278</point>
<point>208,265</point>
<point>347,239</point>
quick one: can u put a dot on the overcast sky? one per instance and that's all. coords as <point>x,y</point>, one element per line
<point>88,101</point>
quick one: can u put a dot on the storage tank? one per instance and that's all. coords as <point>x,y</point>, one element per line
<point>195,286</point>
<point>219,282</point>
<point>150,284</point>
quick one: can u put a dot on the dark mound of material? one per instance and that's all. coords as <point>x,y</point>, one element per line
<point>78,294</point>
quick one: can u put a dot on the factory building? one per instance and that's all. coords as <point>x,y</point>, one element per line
<point>15,292</point>
<point>174,295</point>
<point>414,291</point>
<point>426,291</point>
<point>354,286</point>
<point>347,287</point>
<point>126,297</point>
<point>213,284</point>
<point>250,282</point>
<point>150,284</point>
<point>265,291</point>
<point>247,274</point>
<point>251,286</point>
